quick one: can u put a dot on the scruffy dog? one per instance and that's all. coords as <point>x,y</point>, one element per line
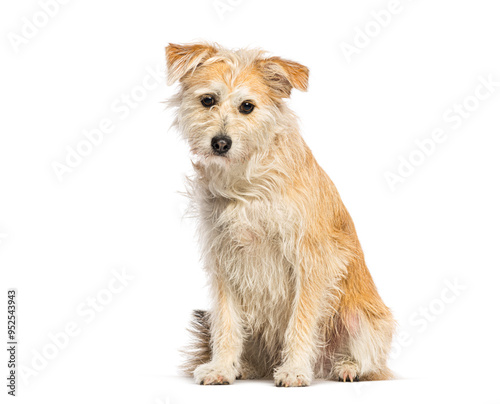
<point>293,298</point>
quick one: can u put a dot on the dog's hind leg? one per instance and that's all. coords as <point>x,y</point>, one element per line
<point>363,349</point>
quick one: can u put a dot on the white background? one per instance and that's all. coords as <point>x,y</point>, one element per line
<point>120,207</point>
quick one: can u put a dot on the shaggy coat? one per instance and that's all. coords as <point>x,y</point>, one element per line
<point>292,296</point>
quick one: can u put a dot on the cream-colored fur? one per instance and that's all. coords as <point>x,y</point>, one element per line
<point>292,296</point>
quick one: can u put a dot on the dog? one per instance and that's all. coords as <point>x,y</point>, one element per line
<point>293,299</point>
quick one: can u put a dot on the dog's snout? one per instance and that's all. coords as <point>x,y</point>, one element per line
<point>221,144</point>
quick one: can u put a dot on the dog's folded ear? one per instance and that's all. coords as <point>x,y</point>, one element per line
<point>282,75</point>
<point>183,59</point>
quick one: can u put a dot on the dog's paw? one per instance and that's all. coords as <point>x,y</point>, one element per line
<point>292,377</point>
<point>347,371</point>
<point>213,373</point>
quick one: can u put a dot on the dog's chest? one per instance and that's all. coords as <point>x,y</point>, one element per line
<point>250,240</point>
<point>248,226</point>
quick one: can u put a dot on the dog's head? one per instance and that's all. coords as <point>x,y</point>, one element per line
<point>230,103</point>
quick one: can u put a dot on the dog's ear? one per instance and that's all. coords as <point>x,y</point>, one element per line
<point>182,59</point>
<point>282,75</point>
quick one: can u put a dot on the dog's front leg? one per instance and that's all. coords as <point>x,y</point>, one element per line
<point>226,339</point>
<point>300,344</point>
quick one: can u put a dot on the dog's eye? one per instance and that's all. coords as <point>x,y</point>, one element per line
<point>207,101</point>
<point>246,107</point>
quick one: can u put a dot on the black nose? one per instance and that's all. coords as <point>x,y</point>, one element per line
<point>221,144</point>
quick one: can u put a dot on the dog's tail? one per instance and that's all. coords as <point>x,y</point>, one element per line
<point>199,350</point>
